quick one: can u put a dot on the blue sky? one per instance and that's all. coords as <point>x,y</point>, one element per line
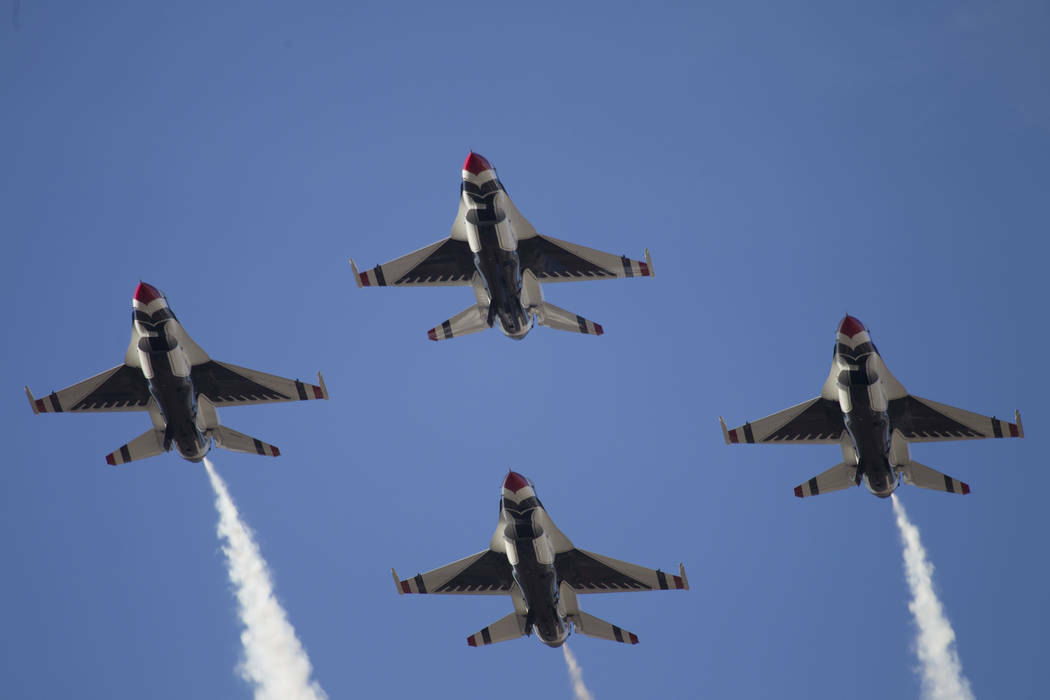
<point>784,166</point>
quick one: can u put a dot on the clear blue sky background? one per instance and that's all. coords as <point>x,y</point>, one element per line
<point>785,165</point>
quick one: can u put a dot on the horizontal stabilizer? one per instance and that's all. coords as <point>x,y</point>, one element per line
<point>555,317</point>
<point>839,477</point>
<point>510,627</point>
<point>230,439</point>
<point>925,478</point>
<point>149,444</point>
<point>595,627</point>
<point>470,320</point>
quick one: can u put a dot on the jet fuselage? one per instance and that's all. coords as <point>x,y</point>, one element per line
<point>862,399</point>
<point>495,246</point>
<point>531,557</point>
<point>167,371</point>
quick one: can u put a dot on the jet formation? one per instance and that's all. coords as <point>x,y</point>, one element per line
<point>495,250</point>
<point>872,417</point>
<point>533,562</point>
<point>168,375</point>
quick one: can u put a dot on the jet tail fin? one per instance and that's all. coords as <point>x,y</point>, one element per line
<point>471,320</point>
<point>596,627</point>
<point>510,627</point>
<point>149,444</point>
<point>925,478</point>
<point>230,439</point>
<point>555,317</point>
<point>839,477</point>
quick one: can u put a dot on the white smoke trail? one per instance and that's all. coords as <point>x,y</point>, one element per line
<point>942,674</point>
<point>274,660</point>
<point>576,674</point>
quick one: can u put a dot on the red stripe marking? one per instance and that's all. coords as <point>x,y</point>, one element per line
<point>471,641</point>
<point>364,279</point>
<point>965,487</point>
<point>317,393</point>
<point>275,451</point>
<point>404,587</point>
<point>678,582</point>
<point>732,436</point>
<point>432,334</point>
<point>798,491</point>
<point>110,460</point>
<point>1013,430</point>
<point>634,637</point>
<point>598,329</point>
<point>644,268</point>
<point>40,406</point>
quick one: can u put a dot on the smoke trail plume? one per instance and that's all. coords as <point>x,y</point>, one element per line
<point>274,660</point>
<point>942,675</point>
<point>576,675</point>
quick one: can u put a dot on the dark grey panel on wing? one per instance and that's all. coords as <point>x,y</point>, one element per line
<point>549,260</point>
<point>126,387</point>
<point>917,420</point>
<point>491,572</point>
<point>451,262</point>
<point>221,385</point>
<point>581,571</point>
<point>821,421</point>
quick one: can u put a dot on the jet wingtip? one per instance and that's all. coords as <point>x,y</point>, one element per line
<point>397,581</point>
<point>1017,419</point>
<point>681,574</point>
<point>649,263</point>
<point>725,430</point>
<point>357,275</point>
<point>32,401</point>
<point>324,389</point>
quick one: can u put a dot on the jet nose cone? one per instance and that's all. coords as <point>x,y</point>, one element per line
<point>851,326</point>
<point>476,164</point>
<point>146,293</point>
<point>515,482</point>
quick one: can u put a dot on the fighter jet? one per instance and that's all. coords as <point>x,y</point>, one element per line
<point>530,560</point>
<point>495,250</point>
<point>170,376</point>
<point>865,410</point>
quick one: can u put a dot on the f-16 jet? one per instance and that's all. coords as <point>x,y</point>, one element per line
<point>530,560</point>
<point>168,375</point>
<point>865,410</point>
<point>496,251</point>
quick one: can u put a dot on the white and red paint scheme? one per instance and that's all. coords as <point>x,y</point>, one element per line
<point>534,563</point>
<point>168,375</point>
<point>497,252</point>
<point>869,414</point>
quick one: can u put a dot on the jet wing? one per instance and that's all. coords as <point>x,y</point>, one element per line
<point>230,385</point>
<point>484,573</point>
<point>447,262</point>
<point>122,388</point>
<point>816,421</point>
<point>552,260</point>
<point>922,420</point>
<point>587,572</point>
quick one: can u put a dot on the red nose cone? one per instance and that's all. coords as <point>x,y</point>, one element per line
<point>476,164</point>
<point>146,293</point>
<point>851,326</point>
<point>515,482</point>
